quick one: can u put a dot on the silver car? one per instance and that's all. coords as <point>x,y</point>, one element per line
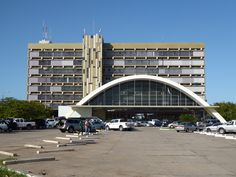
<point>213,128</point>
<point>186,127</point>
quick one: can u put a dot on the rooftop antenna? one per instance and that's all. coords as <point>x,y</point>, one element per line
<point>100,30</point>
<point>45,35</point>
<point>45,31</point>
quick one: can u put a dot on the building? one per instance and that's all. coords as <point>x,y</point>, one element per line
<point>66,74</point>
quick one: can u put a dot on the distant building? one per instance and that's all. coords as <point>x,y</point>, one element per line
<point>63,74</point>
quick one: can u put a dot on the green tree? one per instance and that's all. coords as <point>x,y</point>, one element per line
<point>10,107</point>
<point>227,110</point>
<point>187,118</point>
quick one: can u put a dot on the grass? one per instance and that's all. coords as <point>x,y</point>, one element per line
<point>4,172</point>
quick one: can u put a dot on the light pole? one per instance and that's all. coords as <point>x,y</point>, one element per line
<point>46,81</point>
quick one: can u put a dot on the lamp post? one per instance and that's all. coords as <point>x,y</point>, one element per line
<point>45,96</point>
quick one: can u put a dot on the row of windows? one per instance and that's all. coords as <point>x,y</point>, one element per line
<point>59,97</point>
<point>63,88</point>
<point>142,93</point>
<point>49,62</point>
<point>150,62</point>
<point>62,79</point>
<point>60,71</point>
<point>146,71</point>
<point>148,53</point>
<point>152,49</point>
<point>57,54</point>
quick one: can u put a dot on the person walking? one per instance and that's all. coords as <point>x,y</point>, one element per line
<point>87,126</point>
<point>81,127</point>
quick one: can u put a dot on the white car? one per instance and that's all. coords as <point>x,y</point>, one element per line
<point>119,124</point>
<point>213,128</point>
<point>51,123</point>
<point>22,123</point>
<point>173,124</point>
<point>229,127</point>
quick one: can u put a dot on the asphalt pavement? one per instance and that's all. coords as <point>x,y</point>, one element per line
<point>145,152</point>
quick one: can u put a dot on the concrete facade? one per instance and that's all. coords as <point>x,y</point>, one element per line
<point>62,74</point>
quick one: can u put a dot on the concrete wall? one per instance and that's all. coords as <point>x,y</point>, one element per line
<point>67,111</point>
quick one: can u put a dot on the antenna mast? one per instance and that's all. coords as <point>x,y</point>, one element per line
<point>45,31</point>
<point>45,35</point>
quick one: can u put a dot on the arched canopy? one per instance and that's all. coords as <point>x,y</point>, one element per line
<point>146,90</point>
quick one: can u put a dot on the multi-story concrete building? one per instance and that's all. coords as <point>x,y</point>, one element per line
<point>63,74</point>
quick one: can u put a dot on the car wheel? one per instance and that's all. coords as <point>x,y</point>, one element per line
<point>171,126</point>
<point>63,131</point>
<point>208,130</point>
<point>28,127</point>
<point>177,131</point>
<point>187,130</point>
<point>121,128</point>
<point>70,129</point>
<point>107,128</point>
<point>222,131</point>
<point>1,130</point>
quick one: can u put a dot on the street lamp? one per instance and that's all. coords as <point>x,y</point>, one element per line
<point>45,96</point>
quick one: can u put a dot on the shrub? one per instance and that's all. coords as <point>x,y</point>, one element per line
<point>187,118</point>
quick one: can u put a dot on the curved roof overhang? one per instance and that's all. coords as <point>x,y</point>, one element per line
<point>184,90</point>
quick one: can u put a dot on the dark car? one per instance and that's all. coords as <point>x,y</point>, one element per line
<point>11,124</point>
<point>40,123</point>
<point>71,125</point>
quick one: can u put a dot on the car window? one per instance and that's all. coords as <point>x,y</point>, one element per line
<point>230,123</point>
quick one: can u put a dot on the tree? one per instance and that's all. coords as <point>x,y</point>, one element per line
<point>187,118</point>
<point>226,110</point>
<point>10,107</point>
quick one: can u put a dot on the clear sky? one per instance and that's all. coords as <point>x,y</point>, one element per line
<point>210,21</point>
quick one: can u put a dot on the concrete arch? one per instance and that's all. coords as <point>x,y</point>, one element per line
<point>168,82</point>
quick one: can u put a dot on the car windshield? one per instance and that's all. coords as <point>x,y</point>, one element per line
<point>216,124</point>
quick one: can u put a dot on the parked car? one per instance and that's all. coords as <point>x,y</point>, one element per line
<point>165,122</point>
<point>155,122</point>
<point>51,123</point>
<point>213,128</point>
<point>119,124</point>
<point>174,124</point>
<point>22,123</point>
<point>229,127</point>
<point>3,126</point>
<point>72,125</point>
<point>40,123</point>
<point>11,124</point>
<point>97,123</point>
<point>186,126</point>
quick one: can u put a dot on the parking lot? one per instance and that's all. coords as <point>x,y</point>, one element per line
<point>145,152</point>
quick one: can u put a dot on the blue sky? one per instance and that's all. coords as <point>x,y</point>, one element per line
<point>210,21</point>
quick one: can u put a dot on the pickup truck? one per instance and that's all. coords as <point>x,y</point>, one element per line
<point>229,127</point>
<point>119,124</point>
<point>22,123</point>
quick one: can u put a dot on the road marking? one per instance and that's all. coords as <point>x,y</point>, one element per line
<point>51,141</point>
<point>230,137</point>
<point>8,153</point>
<point>63,138</point>
<point>72,136</point>
<point>33,146</point>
